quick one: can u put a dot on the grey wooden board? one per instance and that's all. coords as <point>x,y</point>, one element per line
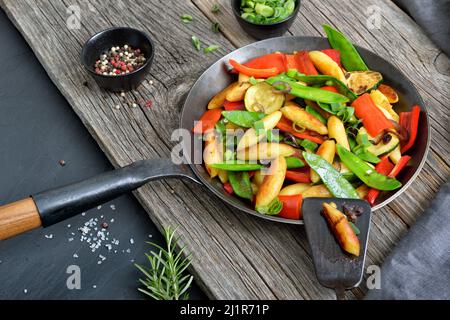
<point>235,255</point>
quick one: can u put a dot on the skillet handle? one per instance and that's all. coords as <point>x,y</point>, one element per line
<point>52,206</point>
<point>18,217</point>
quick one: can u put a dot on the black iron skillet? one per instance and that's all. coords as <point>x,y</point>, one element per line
<point>49,207</point>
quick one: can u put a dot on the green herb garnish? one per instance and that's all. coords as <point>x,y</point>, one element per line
<point>166,278</point>
<point>196,42</point>
<point>215,27</point>
<point>186,18</point>
<point>211,48</point>
<point>215,8</point>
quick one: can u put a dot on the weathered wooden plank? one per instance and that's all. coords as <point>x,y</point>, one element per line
<point>236,256</point>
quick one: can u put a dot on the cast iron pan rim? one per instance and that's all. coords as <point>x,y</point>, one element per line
<point>293,15</point>
<point>300,222</point>
<point>99,34</point>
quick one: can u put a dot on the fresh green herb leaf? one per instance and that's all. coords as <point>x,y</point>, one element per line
<point>196,42</point>
<point>186,18</point>
<point>215,27</point>
<point>211,48</point>
<point>215,8</point>
<point>166,278</point>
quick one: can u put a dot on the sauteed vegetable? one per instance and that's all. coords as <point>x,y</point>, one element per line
<point>314,123</point>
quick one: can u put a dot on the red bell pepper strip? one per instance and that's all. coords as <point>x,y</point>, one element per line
<point>291,62</point>
<point>272,60</point>
<point>334,54</point>
<point>297,176</point>
<point>330,88</point>
<point>228,188</point>
<point>399,166</point>
<point>410,121</point>
<point>207,121</point>
<point>286,126</point>
<point>305,64</point>
<point>373,118</point>
<point>230,106</point>
<point>257,73</point>
<point>292,207</point>
<point>388,169</point>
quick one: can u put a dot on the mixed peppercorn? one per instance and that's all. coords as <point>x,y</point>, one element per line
<point>119,60</point>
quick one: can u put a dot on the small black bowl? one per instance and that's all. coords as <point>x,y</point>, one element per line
<point>118,36</point>
<point>264,31</point>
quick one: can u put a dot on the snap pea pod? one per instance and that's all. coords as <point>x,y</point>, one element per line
<point>333,180</point>
<point>350,58</point>
<point>323,79</point>
<point>244,119</point>
<point>309,93</point>
<point>316,114</point>
<point>293,163</point>
<point>366,173</point>
<point>240,182</point>
<point>237,166</point>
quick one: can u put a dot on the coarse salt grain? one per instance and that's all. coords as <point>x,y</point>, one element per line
<point>132,241</point>
<point>75,255</point>
<point>99,207</point>
<point>25,290</point>
<point>49,236</point>
<point>113,207</point>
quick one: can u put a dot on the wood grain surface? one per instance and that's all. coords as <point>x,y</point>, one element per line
<point>235,255</point>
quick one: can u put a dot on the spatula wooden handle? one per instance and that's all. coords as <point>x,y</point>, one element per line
<point>18,217</point>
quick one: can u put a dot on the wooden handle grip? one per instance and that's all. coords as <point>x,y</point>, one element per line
<point>18,217</point>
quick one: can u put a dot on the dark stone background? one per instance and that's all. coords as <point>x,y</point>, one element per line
<point>38,129</point>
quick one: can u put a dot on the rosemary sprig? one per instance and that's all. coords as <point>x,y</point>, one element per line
<point>165,279</point>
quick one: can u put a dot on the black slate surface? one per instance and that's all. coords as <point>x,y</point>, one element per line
<point>37,130</point>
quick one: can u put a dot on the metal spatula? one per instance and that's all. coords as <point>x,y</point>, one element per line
<point>334,267</point>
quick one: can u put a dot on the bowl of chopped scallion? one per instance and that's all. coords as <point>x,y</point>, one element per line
<point>264,19</point>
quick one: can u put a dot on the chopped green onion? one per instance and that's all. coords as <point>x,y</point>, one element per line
<point>216,27</point>
<point>186,18</point>
<point>215,8</point>
<point>211,48</point>
<point>298,128</point>
<point>196,42</point>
